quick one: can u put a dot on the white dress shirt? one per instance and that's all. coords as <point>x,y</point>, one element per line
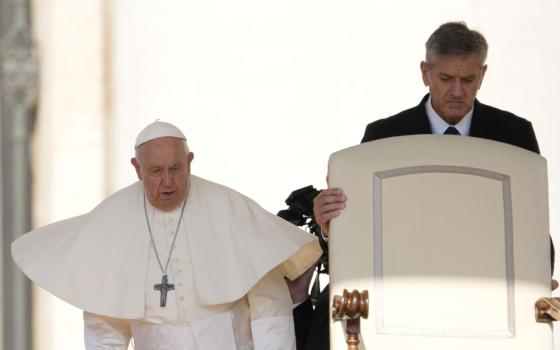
<point>439,125</point>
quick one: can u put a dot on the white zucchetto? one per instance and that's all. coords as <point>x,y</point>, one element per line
<point>156,130</point>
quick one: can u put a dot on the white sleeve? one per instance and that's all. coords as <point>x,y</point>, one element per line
<point>106,333</point>
<point>272,322</point>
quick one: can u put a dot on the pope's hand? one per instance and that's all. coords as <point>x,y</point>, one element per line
<point>327,205</point>
<point>300,286</point>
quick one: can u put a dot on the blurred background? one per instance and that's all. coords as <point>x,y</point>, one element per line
<point>264,90</point>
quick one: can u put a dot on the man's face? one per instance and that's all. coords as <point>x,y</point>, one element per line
<point>453,82</point>
<point>163,165</point>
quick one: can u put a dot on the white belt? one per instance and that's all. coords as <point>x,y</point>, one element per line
<point>150,336</point>
<point>215,332</point>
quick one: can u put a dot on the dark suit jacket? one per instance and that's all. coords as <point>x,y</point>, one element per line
<point>312,326</point>
<point>487,122</point>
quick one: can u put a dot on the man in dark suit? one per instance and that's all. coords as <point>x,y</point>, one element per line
<point>453,71</point>
<point>487,122</point>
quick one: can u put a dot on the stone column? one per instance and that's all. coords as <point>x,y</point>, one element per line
<point>18,86</point>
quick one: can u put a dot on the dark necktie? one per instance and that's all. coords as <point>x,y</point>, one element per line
<point>452,131</point>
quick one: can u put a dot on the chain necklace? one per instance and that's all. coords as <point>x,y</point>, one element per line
<point>164,286</point>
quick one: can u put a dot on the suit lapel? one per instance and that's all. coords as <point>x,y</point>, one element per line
<point>477,123</point>
<point>419,122</point>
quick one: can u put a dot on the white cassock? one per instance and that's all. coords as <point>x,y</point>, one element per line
<point>227,267</point>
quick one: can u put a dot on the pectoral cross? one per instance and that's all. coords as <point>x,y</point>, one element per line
<point>163,288</point>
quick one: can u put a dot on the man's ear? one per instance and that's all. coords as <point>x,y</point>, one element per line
<point>482,72</point>
<point>190,157</point>
<point>136,165</point>
<point>425,69</point>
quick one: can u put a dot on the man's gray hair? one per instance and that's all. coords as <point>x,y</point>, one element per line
<point>455,39</point>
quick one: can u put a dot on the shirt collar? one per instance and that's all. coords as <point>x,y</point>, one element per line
<point>438,125</point>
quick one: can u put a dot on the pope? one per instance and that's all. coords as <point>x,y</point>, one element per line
<point>173,261</point>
